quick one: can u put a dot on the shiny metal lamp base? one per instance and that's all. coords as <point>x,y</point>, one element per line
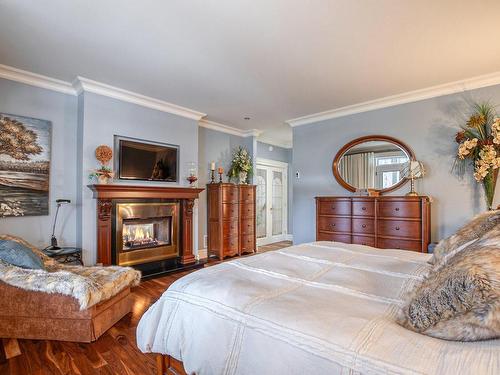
<point>412,192</point>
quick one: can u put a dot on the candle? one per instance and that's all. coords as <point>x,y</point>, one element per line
<point>221,170</point>
<point>212,166</point>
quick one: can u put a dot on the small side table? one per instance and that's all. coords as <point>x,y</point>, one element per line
<point>66,254</point>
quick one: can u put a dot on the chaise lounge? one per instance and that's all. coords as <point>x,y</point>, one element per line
<point>61,302</point>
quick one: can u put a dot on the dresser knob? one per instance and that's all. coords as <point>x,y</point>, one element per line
<point>397,209</point>
<point>333,207</point>
<point>333,224</point>
<point>364,225</point>
<point>363,208</point>
<point>397,228</point>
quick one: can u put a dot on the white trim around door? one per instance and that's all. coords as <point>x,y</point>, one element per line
<point>266,198</point>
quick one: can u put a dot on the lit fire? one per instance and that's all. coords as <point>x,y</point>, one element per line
<point>138,236</point>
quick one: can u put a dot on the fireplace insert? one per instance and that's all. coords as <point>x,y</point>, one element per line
<point>146,232</point>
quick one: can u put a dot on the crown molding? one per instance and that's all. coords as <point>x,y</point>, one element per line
<point>37,80</point>
<point>82,84</point>
<point>228,129</point>
<point>273,142</point>
<point>404,98</point>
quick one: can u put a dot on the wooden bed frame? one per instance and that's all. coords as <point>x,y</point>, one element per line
<point>167,365</point>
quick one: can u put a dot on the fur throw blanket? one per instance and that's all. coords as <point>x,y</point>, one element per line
<point>88,285</point>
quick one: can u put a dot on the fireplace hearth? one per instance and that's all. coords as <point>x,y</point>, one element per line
<point>149,228</point>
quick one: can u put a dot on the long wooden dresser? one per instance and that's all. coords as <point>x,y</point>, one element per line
<point>389,222</point>
<point>231,219</point>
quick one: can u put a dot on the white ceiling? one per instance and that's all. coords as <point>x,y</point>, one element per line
<point>272,60</point>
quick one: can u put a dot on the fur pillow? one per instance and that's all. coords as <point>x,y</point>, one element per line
<point>460,298</point>
<point>474,229</point>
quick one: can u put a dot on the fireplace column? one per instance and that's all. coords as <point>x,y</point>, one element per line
<point>186,249</point>
<point>104,231</point>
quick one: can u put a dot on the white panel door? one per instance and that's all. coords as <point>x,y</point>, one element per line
<point>271,201</point>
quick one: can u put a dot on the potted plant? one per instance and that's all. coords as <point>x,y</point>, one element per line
<point>241,166</point>
<point>479,146</point>
<point>103,174</point>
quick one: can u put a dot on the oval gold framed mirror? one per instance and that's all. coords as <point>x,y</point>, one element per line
<point>372,162</point>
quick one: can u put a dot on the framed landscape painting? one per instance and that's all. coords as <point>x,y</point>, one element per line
<point>24,165</point>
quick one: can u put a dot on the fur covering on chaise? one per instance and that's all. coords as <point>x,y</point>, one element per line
<point>88,285</point>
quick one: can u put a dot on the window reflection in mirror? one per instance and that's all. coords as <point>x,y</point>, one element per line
<point>373,164</point>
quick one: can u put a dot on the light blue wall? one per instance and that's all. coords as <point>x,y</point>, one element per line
<point>218,147</point>
<point>105,117</point>
<point>427,126</point>
<point>60,109</point>
<point>284,155</point>
<point>277,153</point>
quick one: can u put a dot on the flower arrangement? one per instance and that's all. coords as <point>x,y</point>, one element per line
<point>479,145</point>
<point>103,154</point>
<point>241,165</point>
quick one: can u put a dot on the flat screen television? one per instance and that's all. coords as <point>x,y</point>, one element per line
<point>147,161</point>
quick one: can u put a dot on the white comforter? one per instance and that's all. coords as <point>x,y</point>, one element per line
<point>319,308</point>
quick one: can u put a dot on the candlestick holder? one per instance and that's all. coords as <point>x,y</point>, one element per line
<point>212,176</point>
<point>221,172</point>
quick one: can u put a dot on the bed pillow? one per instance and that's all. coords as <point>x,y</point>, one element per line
<point>19,255</point>
<point>474,229</point>
<point>460,298</point>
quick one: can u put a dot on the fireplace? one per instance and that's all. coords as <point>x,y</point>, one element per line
<point>147,227</point>
<point>146,232</point>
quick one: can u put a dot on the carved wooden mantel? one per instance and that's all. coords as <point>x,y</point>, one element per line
<point>105,195</point>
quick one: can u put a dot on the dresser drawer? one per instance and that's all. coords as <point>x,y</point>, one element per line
<point>247,210</point>
<point>247,226</point>
<point>335,207</point>
<point>409,209</point>
<point>230,245</point>
<point>386,243</point>
<point>363,240</point>
<point>363,208</point>
<point>399,228</point>
<point>246,194</point>
<point>334,224</point>
<point>247,243</point>
<point>230,194</point>
<point>363,226</point>
<point>230,228</point>
<point>230,210</point>
<point>346,238</point>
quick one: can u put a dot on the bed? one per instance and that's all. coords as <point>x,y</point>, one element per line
<point>316,308</point>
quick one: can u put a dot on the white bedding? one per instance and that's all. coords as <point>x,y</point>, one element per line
<point>318,308</point>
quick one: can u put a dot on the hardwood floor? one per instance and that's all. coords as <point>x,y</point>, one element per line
<point>115,352</point>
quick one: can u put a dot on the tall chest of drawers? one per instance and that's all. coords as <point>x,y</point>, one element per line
<point>231,219</point>
<point>390,222</point>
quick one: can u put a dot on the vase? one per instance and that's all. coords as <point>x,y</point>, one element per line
<point>489,184</point>
<point>102,180</point>
<point>242,177</point>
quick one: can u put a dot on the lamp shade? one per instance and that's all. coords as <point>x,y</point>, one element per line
<point>413,169</point>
